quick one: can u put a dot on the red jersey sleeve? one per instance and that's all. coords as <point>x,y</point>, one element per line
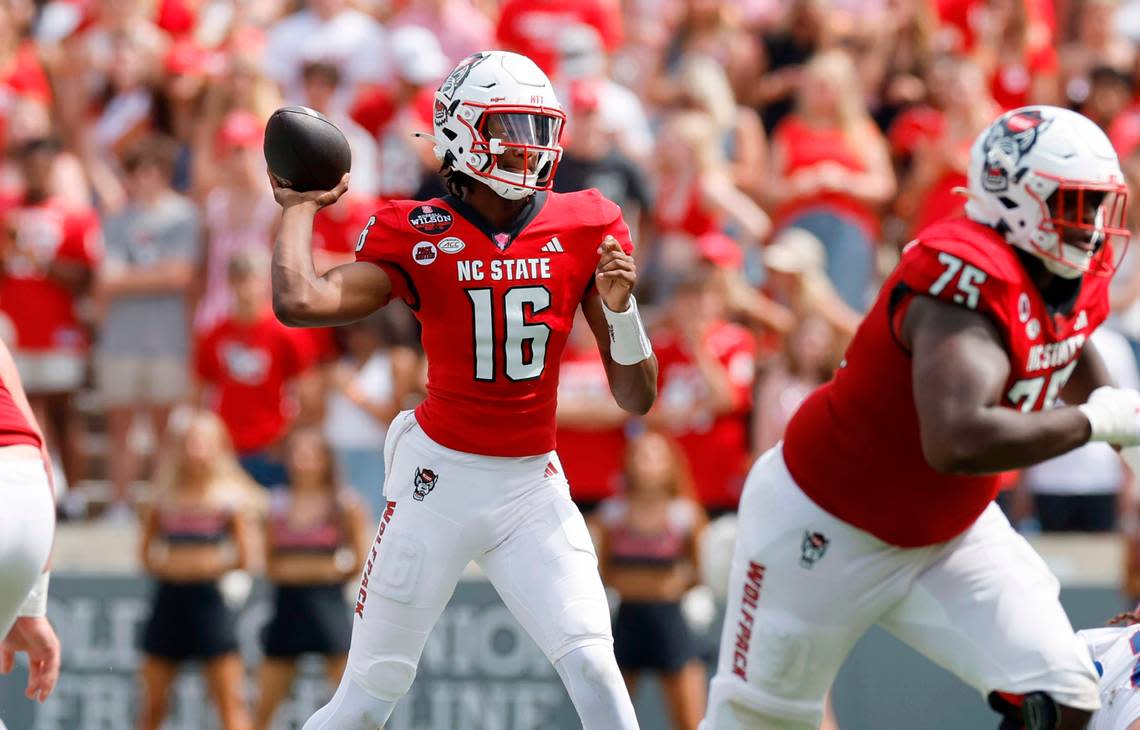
<point>595,207</point>
<point>957,272</point>
<point>383,243</point>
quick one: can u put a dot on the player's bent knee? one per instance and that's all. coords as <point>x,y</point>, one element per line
<point>389,678</point>
<point>735,705</point>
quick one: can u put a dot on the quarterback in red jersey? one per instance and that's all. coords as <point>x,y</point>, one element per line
<point>27,523</point>
<point>495,272</point>
<point>878,506</point>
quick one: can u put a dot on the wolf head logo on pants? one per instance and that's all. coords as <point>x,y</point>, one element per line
<point>425,482</point>
<point>812,548</point>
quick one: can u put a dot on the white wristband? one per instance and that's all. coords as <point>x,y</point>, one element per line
<point>35,605</point>
<point>629,344</point>
<point>1113,415</point>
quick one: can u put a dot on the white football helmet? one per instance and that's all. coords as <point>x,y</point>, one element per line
<point>1049,180</point>
<point>497,119</point>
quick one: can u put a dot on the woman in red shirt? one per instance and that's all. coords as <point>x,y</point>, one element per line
<point>832,172</point>
<point>941,151</point>
<point>698,196</point>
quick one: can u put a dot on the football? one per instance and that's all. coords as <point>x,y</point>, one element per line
<point>304,150</point>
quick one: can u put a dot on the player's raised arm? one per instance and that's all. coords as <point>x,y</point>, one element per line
<point>959,370</point>
<point>631,366</point>
<point>301,298</point>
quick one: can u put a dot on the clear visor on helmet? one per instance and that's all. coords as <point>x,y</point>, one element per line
<point>533,130</point>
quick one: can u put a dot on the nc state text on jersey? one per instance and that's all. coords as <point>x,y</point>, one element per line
<point>1055,354</point>
<point>504,269</point>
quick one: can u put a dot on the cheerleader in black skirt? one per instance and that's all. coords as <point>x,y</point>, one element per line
<point>196,530</point>
<point>316,534</point>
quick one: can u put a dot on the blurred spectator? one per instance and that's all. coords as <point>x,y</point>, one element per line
<point>392,113</point>
<point>591,426</point>
<point>898,53</point>
<point>1097,44</point>
<point>808,361</point>
<point>316,537</point>
<point>936,141</point>
<point>1013,45</point>
<point>239,212</point>
<point>582,62</point>
<point>365,389</point>
<point>797,280</point>
<point>246,362</point>
<point>705,391</point>
<point>590,160</point>
<point>153,246</point>
<point>127,114</point>
<point>326,31</point>
<point>459,26</point>
<point>48,253</point>
<point>831,172</point>
<point>187,69</point>
<point>1109,93</point>
<point>700,197</point>
<point>783,54</point>
<point>712,29</point>
<point>532,27</point>
<point>321,83</point>
<point>21,73</point>
<point>649,541</point>
<point>723,261</point>
<point>703,85</point>
<point>1084,490</point>
<point>197,530</point>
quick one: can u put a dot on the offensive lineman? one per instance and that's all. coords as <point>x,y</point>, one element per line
<point>27,521</point>
<point>494,272</point>
<point>878,506</point>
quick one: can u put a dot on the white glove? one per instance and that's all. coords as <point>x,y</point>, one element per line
<point>1114,415</point>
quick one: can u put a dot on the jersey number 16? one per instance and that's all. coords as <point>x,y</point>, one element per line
<point>524,343</point>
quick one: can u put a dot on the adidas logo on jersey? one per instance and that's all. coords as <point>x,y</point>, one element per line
<point>553,246</point>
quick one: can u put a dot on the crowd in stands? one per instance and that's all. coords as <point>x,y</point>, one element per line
<point>771,158</point>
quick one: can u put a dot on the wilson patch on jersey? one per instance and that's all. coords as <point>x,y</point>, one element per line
<point>430,220</point>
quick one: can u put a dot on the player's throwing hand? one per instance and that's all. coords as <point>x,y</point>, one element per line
<point>288,197</point>
<point>34,636</point>
<point>616,275</point>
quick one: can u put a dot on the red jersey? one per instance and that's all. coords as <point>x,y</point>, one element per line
<point>249,365</point>
<point>591,457</point>
<point>41,309</point>
<point>854,446</point>
<point>14,426</point>
<point>495,307</point>
<point>716,446</point>
<point>805,147</point>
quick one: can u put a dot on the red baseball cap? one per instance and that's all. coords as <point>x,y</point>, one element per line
<point>240,129</point>
<point>720,250</point>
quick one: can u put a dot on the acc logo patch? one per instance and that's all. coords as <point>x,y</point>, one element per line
<point>423,253</point>
<point>451,244</point>
<point>430,220</point>
<point>425,481</point>
<point>1023,307</point>
<point>1032,329</point>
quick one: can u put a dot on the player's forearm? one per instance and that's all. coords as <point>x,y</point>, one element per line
<point>997,439</point>
<point>297,290</point>
<point>634,387</point>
